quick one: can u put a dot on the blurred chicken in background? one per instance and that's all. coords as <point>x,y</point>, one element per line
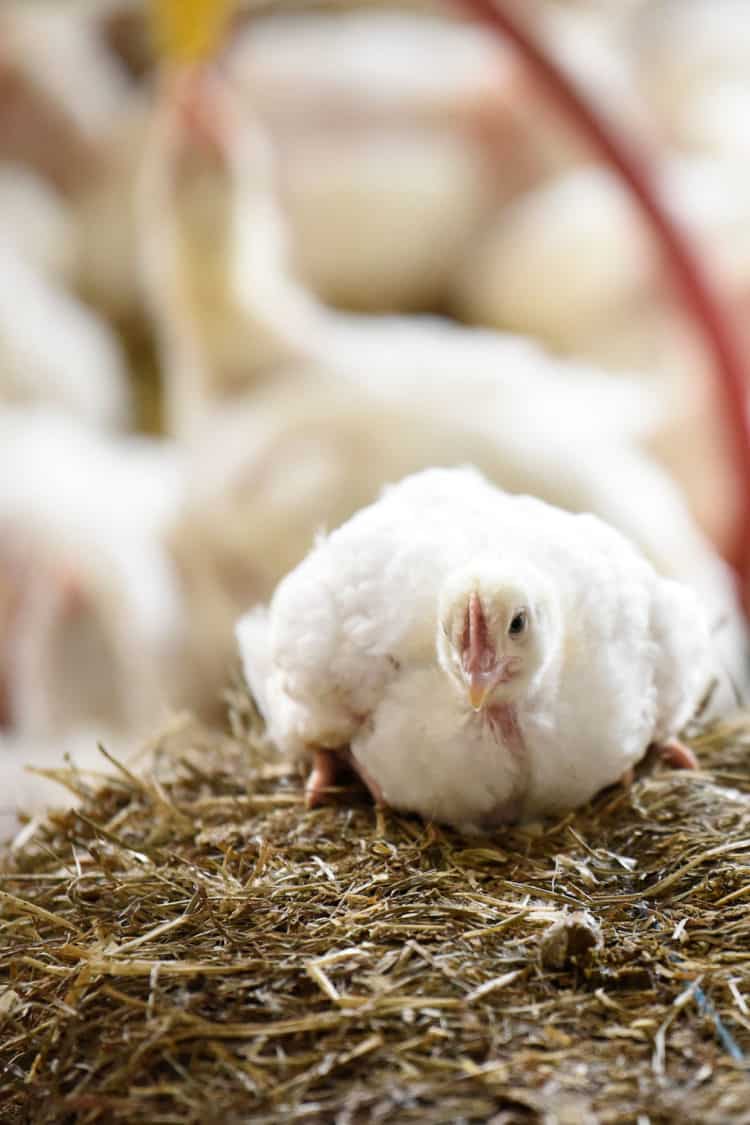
<point>353,402</point>
<point>692,61</point>
<point>185,235</point>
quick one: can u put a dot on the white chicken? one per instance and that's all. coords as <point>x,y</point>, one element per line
<point>54,350</point>
<point>383,122</point>
<point>227,315</point>
<point>58,87</point>
<point>399,134</point>
<point>484,658</point>
<point>72,114</point>
<point>36,222</point>
<point>490,391</point>
<point>572,264</point>
<point>693,63</point>
<point>90,608</point>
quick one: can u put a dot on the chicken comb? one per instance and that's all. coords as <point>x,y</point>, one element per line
<point>189,31</point>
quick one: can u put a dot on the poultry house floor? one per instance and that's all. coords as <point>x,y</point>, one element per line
<point>190,945</point>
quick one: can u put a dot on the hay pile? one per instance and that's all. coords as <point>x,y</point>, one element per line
<point>195,947</point>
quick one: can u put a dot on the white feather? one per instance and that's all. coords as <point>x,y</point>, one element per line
<point>76,503</point>
<point>253,640</point>
<point>352,646</point>
<point>54,350</point>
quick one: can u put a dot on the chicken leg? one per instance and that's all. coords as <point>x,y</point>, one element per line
<point>326,765</point>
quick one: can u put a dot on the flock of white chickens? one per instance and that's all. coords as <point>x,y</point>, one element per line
<point>382,162</point>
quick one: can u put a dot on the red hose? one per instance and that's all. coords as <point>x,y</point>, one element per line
<point>702,303</point>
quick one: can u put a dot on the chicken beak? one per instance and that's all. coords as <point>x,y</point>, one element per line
<point>478,654</point>
<point>478,689</point>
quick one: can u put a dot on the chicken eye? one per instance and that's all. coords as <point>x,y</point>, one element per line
<point>518,623</point>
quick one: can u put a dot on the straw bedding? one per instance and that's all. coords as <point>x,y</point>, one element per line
<point>190,945</point>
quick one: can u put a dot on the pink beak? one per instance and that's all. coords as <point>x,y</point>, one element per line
<point>477,691</point>
<point>479,659</point>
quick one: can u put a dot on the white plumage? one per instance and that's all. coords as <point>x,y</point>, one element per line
<point>382,199</point>
<point>94,611</point>
<point>55,350</point>
<point>232,318</point>
<point>485,657</point>
<point>36,222</point>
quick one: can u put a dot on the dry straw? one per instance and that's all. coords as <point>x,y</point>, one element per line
<point>192,946</point>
